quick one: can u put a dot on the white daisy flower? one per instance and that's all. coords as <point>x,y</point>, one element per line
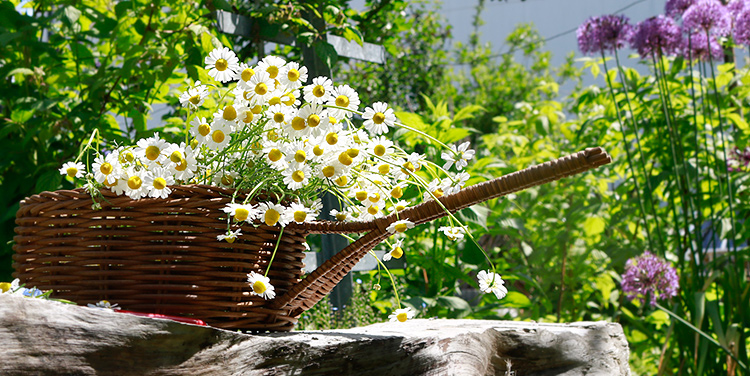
<point>396,251</point>
<point>280,115</point>
<point>434,188</point>
<point>184,169</point>
<point>273,65</point>
<point>200,129</point>
<point>230,236</point>
<point>273,214</point>
<point>222,65</point>
<point>378,118</point>
<point>292,76</point>
<point>227,116</point>
<point>380,146</point>
<point>402,314</point>
<point>346,97</point>
<point>225,178</point>
<point>219,137</point>
<point>339,215</point>
<point>400,226</point>
<point>274,155</point>
<point>134,183</point>
<point>246,72</point>
<point>261,285</point>
<point>261,87</point>
<point>291,98</point>
<point>319,92</point>
<point>316,120</point>
<point>297,175</point>
<point>152,150</point>
<point>241,212</point>
<point>301,213</point>
<point>459,155</point>
<point>194,96</point>
<point>400,205</point>
<point>453,233</point>
<point>73,169</point>
<point>491,282</point>
<point>158,181</point>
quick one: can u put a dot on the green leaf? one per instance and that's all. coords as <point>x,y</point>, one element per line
<point>411,119</point>
<point>21,71</point>
<point>471,254</point>
<point>454,302</point>
<point>467,112</point>
<point>454,134</point>
<point>352,34</point>
<point>48,181</point>
<point>72,14</point>
<point>593,226</point>
<point>326,52</point>
<point>515,299</point>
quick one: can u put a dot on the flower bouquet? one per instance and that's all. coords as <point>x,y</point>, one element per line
<point>213,226</point>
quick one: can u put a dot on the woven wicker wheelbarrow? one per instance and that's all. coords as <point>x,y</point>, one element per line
<point>162,256</point>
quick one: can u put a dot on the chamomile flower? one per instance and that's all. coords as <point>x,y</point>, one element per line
<point>134,183</point>
<point>292,76</point>
<point>453,233</point>
<point>296,176</point>
<point>434,189</point>
<point>378,118</point>
<point>491,282</point>
<point>280,115</point>
<point>400,205</point>
<point>261,285</point>
<point>158,181</point>
<point>400,226</point>
<point>194,96</point>
<point>246,72</point>
<point>73,169</point>
<point>459,155</point>
<point>339,215</point>
<point>316,121</point>
<point>200,129</point>
<point>273,214</point>
<point>219,137</point>
<point>230,236</point>
<point>396,251</point>
<point>401,315</point>
<point>274,155</point>
<point>151,149</point>
<point>241,212</point>
<point>272,65</point>
<point>222,65</point>
<point>320,91</point>
<point>345,97</point>
<point>261,87</point>
<point>291,98</point>
<point>301,213</point>
<point>227,116</point>
<point>185,168</point>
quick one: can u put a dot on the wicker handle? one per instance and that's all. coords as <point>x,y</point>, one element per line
<point>318,284</point>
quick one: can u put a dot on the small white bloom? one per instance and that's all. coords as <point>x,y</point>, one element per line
<point>491,282</point>
<point>459,155</point>
<point>106,169</point>
<point>345,97</point>
<point>230,236</point>
<point>261,285</point>
<point>133,180</point>
<point>400,226</point>
<point>158,182</point>
<point>219,137</point>
<point>222,65</point>
<point>273,65</point>
<point>453,233</point>
<point>396,251</point>
<point>241,212</point>
<point>319,92</point>
<point>292,76</point>
<point>402,314</point>
<point>378,118</point>
<point>73,169</point>
<point>272,214</point>
<point>194,96</point>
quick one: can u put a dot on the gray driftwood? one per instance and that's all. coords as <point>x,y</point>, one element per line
<point>50,338</point>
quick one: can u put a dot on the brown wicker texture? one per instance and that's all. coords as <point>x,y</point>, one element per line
<point>162,256</point>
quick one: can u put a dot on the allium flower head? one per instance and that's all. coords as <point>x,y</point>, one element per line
<point>649,275</point>
<point>675,8</point>
<point>742,27</point>
<point>707,15</point>
<point>603,33</point>
<point>737,7</point>
<point>698,48</point>
<point>658,35</point>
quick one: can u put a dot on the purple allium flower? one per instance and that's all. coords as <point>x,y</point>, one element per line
<point>736,7</point>
<point>649,275</point>
<point>603,33</point>
<point>658,35</point>
<point>707,15</point>
<point>675,8</point>
<point>699,49</point>
<point>742,27</point>
<point>738,160</point>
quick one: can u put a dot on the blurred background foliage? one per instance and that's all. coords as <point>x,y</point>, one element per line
<point>68,69</point>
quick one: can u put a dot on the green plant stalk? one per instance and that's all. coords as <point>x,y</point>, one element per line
<point>707,115</point>
<point>276,248</point>
<point>702,333</point>
<point>649,190</point>
<point>627,152</point>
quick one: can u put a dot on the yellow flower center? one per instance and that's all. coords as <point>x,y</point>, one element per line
<point>313,120</point>
<point>106,168</point>
<point>229,113</point>
<point>438,192</point>
<point>241,214</point>
<point>195,99</point>
<point>408,166</point>
<point>274,155</point>
<point>257,109</point>
<point>134,182</point>
<point>175,157</point>
<point>319,91</point>
<point>332,120</point>
<point>340,216</point>
<point>341,181</point>
<point>248,117</point>
<point>329,171</point>
<point>278,117</point>
<point>71,171</point>
<point>292,75</point>
<point>247,74</point>
<point>221,65</point>
<point>379,150</point>
<point>342,101</point>
<point>353,152</point>
<point>397,252</point>
<point>218,137</point>
<point>160,183</point>
<point>259,287</point>
<point>372,210</point>
<point>400,207</point>
<point>194,143</point>
<point>345,159</point>
<point>152,152</point>
<point>318,151</point>
<point>273,71</point>
<point>230,239</point>
<point>299,216</point>
<point>108,184</point>
<point>248,95</point>
<point>384,169</point>
<point>227,179</point>
<point>204,129</point>
<point>261,89</point>
<point>375,197</point>
<point>401,227</point>
<point>127,157</point>
<point>332,138</point>
<point>274,100</point>
<point>397,192</point>
<point>298,176</point>
<point>378,118</point>
<point>272,135</point>
<point>271,217</point>
<point>182,166</point>
<point>361,195</point>
<point>300,156</point>
<point>288,99</point>
<point>4,286</point>
<point>298,123</point>
<point>402,317</point>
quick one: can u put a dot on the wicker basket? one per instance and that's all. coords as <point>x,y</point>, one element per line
<point>162,256</point>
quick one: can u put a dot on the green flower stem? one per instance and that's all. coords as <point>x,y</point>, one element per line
<point>707,115</point>
<point>276,248</point>
<point>627,152</point>
<point>390,276</point>
<point>702,333</point>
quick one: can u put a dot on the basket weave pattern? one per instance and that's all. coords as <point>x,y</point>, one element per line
<point>162,256</point>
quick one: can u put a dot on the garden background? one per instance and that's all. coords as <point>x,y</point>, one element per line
<point>69,68</point>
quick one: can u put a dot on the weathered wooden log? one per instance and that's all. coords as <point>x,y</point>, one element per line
<point>41,337</point>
